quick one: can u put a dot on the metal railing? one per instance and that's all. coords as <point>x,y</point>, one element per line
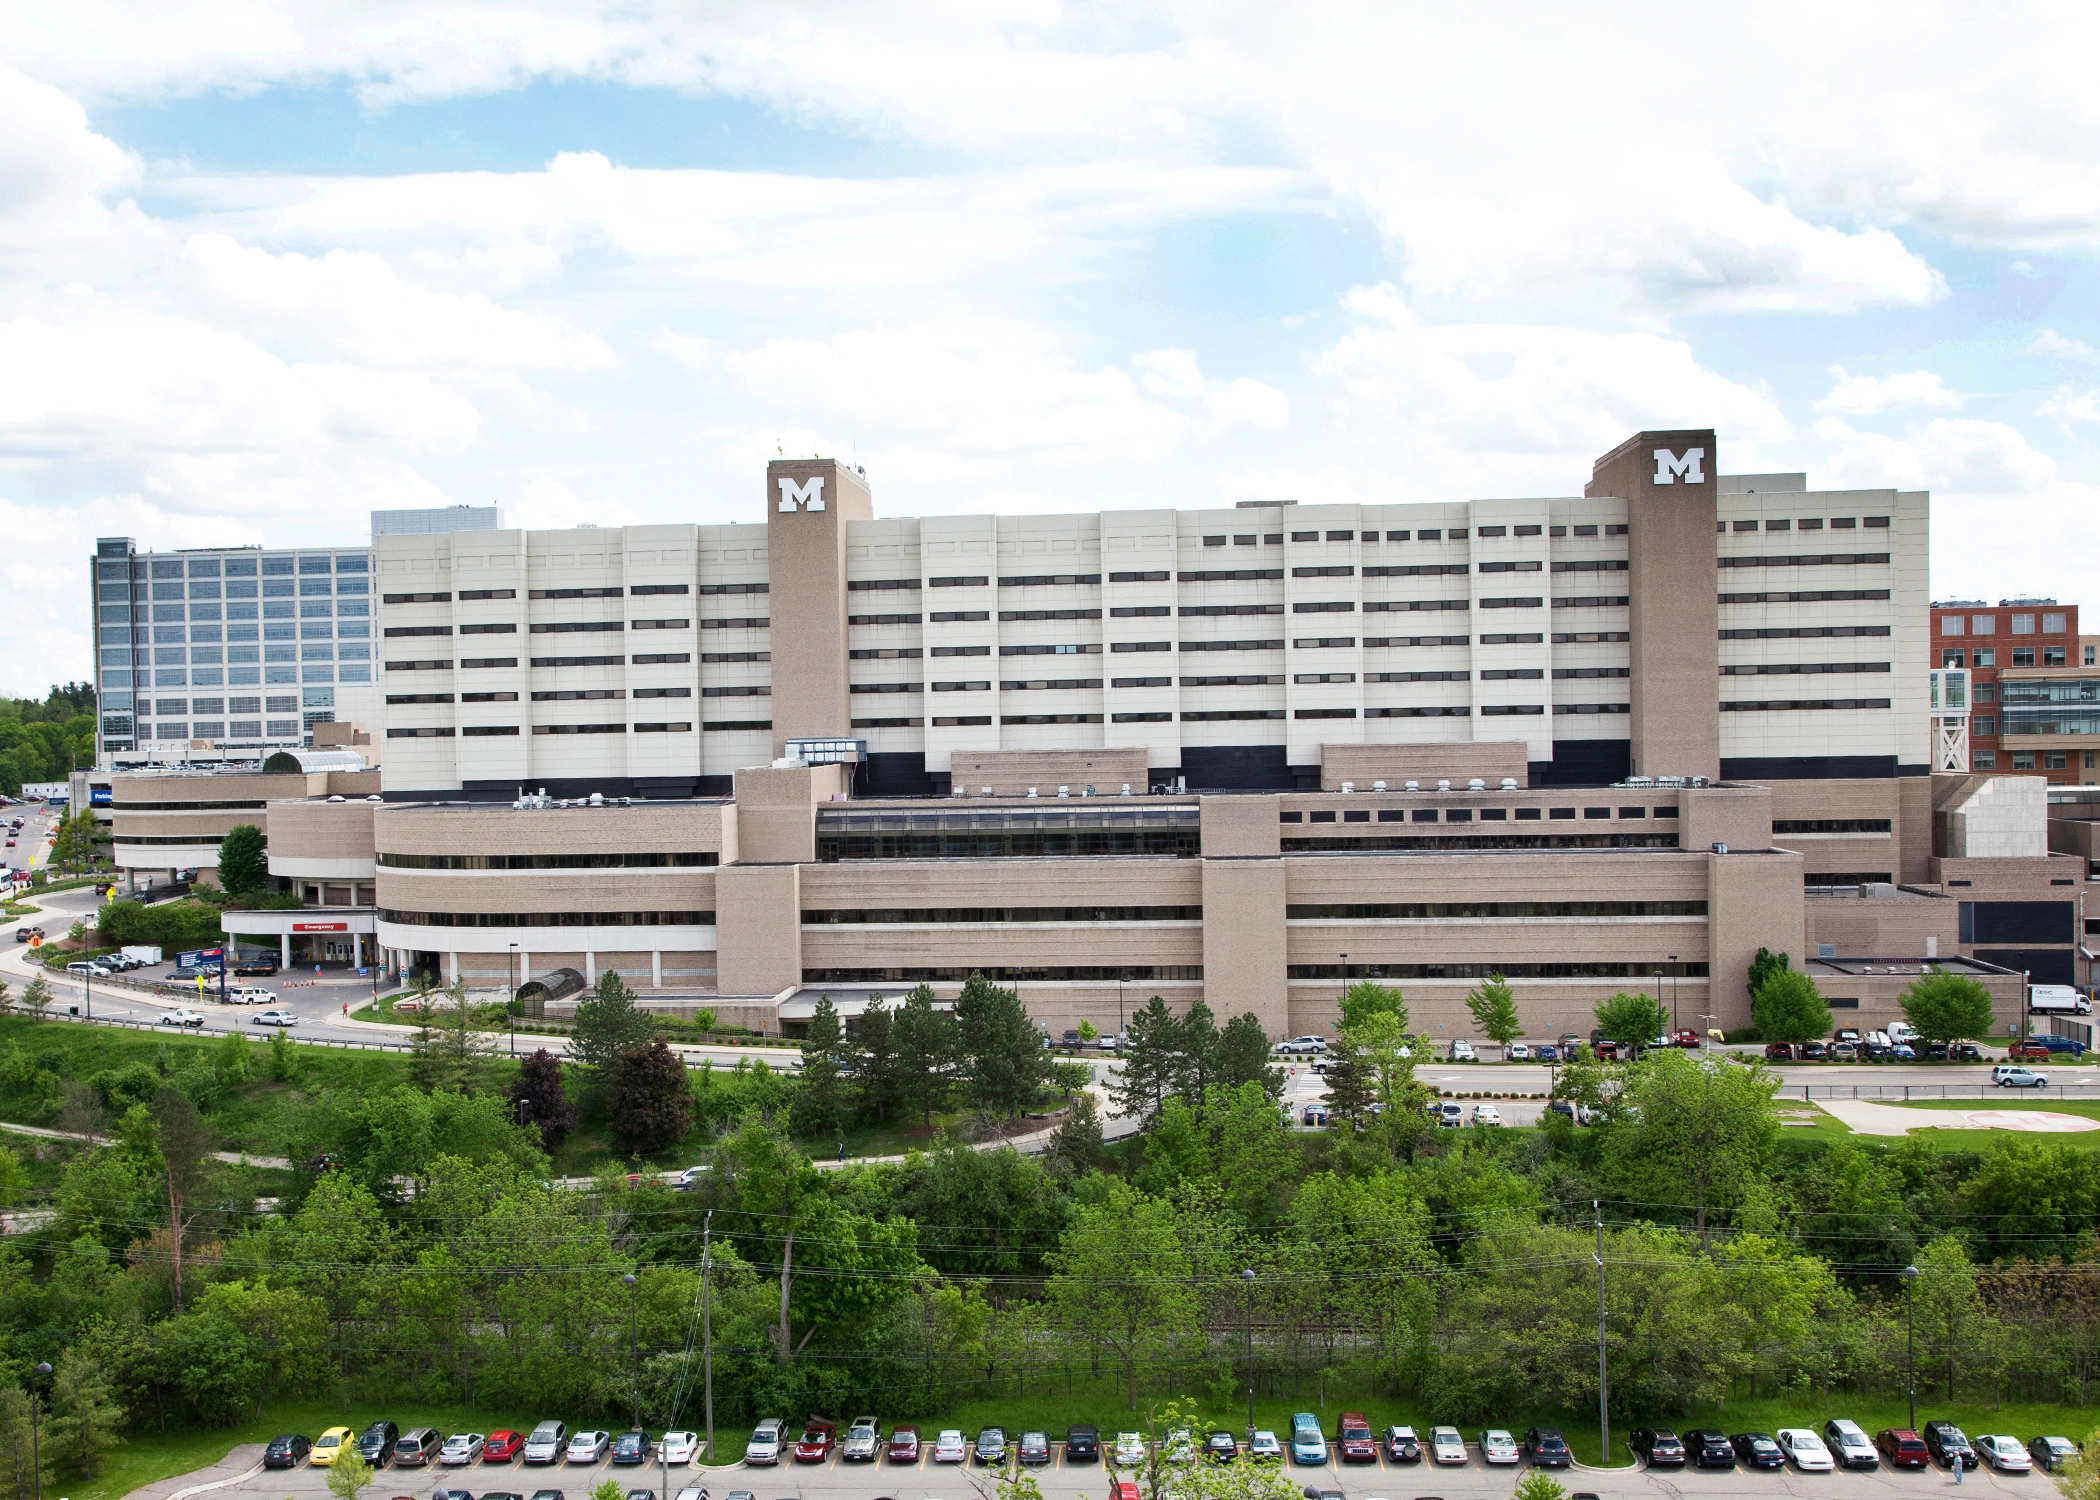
<point>2086,1089</point>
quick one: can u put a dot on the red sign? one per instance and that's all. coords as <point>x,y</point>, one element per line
<point>320,927</point>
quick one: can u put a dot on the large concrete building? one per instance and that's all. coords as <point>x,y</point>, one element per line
<point>1611,740</point>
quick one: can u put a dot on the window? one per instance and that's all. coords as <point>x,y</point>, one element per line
<point>1527,531</point>
<point>2023,656</point>
<point>1986,657</point>
<point>1811,523</point>
<point>1341,536</point>
<point>1491,531</point>
<point>2054,760</point>
<point>661,624</point>
<point>961,651</point>
<point>1984,692</point>
<point>485,731</point>
<point>1342,570</point>
<point>1214,541</point>
<point>2087,656</point>
<point>1844,523</point>
<point>1618,529</point>
<point>715,656</point>
<point>2023,760</point>
<point>1305,536</point>
<point>1746,526</point>
<point>1881,522</point>
<point>1779,525</point>
<point>1040,580</point>
<point>1325,607</point>
<point>1158,576</point>
<point>1140,611</point>
<point>602,593</point>
<point>2053,656</point>
<point>1952,656</point>
<point>1985,760</point>
<point>415,598</point>
<point>1985,726</point>
<point>1983,624</point>
<point>2023,624</point>
<point>507,627</point>
<point>641,589</point>
<point>2054,624</point>
<point>465,594</point>
<point>1396,536</point>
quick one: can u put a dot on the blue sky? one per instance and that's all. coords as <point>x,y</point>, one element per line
<point>264,269</point>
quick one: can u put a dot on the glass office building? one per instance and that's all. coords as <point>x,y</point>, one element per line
<point>240,649</point>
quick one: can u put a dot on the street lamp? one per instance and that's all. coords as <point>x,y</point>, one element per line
<point>1910,1339</point>
<point>634,1343</point>
<point>511,1004</point>
<point>1673,990</point>
<point>1247,1280</point>
<point>36,1462</point>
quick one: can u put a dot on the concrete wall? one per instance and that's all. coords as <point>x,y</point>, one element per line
<point>1756,902</point>
<point>1491,760</point>
<point>1013,772</point>
<point>322,840</point>
<point>775,811</point>
<point>1998,817</point>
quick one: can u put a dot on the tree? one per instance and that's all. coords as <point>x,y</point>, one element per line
<point>1948,1007</point>
<point>186,1145</point>
<point>925,1053</point>
<point>820,1107</point>
<point>652,1105</point>
<point>1631,1019</point>
<point>1763,967</point>
<point>449,1051</point>
<point>349,1476</point>
<point>282,763</point>
<point>84,1414</point>
<point>1151,1056</point>
<point>1367,998</point>
<point>1706,1127</point>
<point>1788,1007</point>
<point>873,1048</point>
<point>284,1062</point>
<point>1494,1008</point>
<point>244,863</point>
<point>1121,1280</point>
<point>538,1099</point>
<point>1004,1059</point>
<point>1955,1327</point>
<point>1197,1042</point>
<point>1537,1484</point>
<point>1349,1086</point>
<point>1077,1143</point>
<point>20,1450</point>
<point>36,996</point>
<point>2080,1478</point>
<point>1243,1055</point>
<point>608,1025</point>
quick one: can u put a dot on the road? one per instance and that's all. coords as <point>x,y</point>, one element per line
<point>37,824</point>
<point>835,1480</point>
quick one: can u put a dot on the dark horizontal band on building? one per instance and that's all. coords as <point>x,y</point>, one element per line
<point>1095,973</point>
<point>1428,911</point>
<point>686,858</point>
<point>168,838</point>
<point>1572,970</point>
<point>1429,843</point>
<point>548,918</point>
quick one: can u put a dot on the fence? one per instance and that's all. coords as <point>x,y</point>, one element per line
<point>2084,1089</point>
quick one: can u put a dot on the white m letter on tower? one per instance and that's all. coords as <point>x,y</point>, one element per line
<point>1667,466</point>
<point>809,494</point>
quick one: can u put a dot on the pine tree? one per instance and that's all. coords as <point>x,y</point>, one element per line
<point>1003,1054</point>
<point>1198,1042</point>
<point>874,1054</point>
<point>820,1105</point>
<point>84,1413</point>
<point>925,1053</point>
<point>608,1024</point>
<point>1151,1060</point>
<point>1243,1055</point>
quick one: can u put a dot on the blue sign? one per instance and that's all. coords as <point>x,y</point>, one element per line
<point>100,796</point>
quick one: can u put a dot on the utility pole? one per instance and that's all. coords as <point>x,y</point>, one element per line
<point>1247,1276</point>
<point>707,1327</point>
<point>510,1003</point>
<point>1910,1339</point>
<point>634,1344</point>
<point>1603,1363</point>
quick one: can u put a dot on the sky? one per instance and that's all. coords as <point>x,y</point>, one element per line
<point>266,267</point>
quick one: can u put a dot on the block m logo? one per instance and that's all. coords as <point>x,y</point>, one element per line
<point>807,495</point>
<point>1667,467</point>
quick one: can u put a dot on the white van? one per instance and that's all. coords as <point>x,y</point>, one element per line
<point>248,994</point>
<point>764,1447</point>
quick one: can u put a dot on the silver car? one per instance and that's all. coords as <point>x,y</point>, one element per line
<point>588,1447</point>
<point>546,1442</point>
<point>461,1448</point>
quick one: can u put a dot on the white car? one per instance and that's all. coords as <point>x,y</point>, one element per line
<point>183,1017</point>
<point>1129,1451</point>
<point>1516,1052</point>
<point>863,1441</point>
<point>1498,1447</point>
<point>764,1447</point>
<point>2003,1454</point>
<point>2018,1078</point>
<point>1446,1446</point>
<point>1265,1444</point>
<point>680,1447</point>
<point>461,1448</point>
<point>588,1447</point>
<point>949,1447</point>
<point>1463,1052</point>
<point>1805,1449</point>
<point>1486,1114</point>
<point>1301,1046</point>
<point>689,1179</point>
<point>695,1492</point>
<point>274,1018</point>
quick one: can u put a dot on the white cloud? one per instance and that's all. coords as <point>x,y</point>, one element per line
<point>2067,406</point>
<point>1955,455</point>
<point>2050,342</point>
<point>1871,395</point>
<point>547,504</point>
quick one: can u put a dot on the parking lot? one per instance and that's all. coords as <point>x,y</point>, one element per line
<point>837,1480</point>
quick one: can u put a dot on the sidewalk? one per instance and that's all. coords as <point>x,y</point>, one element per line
<point>244,1460</point>
<point>232,1158</point>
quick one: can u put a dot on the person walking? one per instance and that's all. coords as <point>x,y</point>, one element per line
<point>1960,1467</point>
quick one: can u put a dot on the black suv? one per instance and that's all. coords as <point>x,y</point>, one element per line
<point>1659,1446</point>
<point>286,1452</point>
<point>375,1445</point>
<point>1709,1448</point>
<point>1082,1445</point>
<point>1946,1442</point>
<point>1546,1448</point>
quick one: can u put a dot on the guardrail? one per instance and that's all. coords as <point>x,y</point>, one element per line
<point>2088,1089</point>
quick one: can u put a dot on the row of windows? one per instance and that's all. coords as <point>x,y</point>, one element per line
<point>1806,560</point>
<point>276,564</point>
<point>548,918</point>
<point>1808,523</point>
<point>468,663</point>
<point>1791,669</point>
<point>1986,657</point>
<point>930,916</point>
<point>1450,842</point>
<point>2021,624</point>
<point>654,861</point>
<point>1797,705</point>
<point>1427,911</point>
<point>123,805</point>
<point>505,731</point>
<point>1563,970</point>
<point>1830,825</point>
<point>1134,973</point>
<point>1013,844</point>
<point>509,627</point>
<point>1466,814</point>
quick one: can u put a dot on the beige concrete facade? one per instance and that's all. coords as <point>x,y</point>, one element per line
<point>1011,773</point>
<point>165,821</point>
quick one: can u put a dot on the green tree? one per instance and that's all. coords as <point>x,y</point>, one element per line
<point>1956,1333</point>
<point>282,763</point>
<point>36,996</point>
<point>1005,1061</point>
<point>1076,1144</point>
<point>1788,1007</point>
<point>1631,1019</point>
<point>1367,998</point>
<point>608,1024</point>
<point>244,863</point>
<point>874,1051</point>
<point>85,1415</point>
<point>1151,1052</point>
<point>20,1450</point>
<point>1197,1043</point>
<point>820,1106</point>
<point>2080,1478</point>
<point>1494,1008</point>
<point>1947,1007</point>
<point>652,1104</point>
<point>925,1054</point>
<point>188,1168</point>
<point>1707,1127</point>
<point>2033,1198</point>
<point>1537,1484</point>
<point>1350,1091</point>
<point>1120,1281</point>
<point>1243,1055</point>
<point>1764,966</point>
<point>284,1061</point>
<point>449,1051</point>
<point>349,1476</point>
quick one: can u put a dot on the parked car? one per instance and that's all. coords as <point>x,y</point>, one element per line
<point>1844,1052</point>
<point>546,1443</point>
<point>1546,1052</point>
<point>287,1451</point>
<point>90,968</point>
<point>766,1438</point>
<point>587,1447</point>
<point>1486,1114</point>
<point>1462,1051</point>
<point>327,1446</point>
<point>1033,1450</point>
<point>1129,1451</point>
<point>630,1448</point>
<point>2003,1453</point>
<point>1946,1442</point>
<point>1709,1448</point>
<point>536,1495</point>
<point>1806,1450</point>
<point>1498,1447</point>
<point>1446,1446</point>
<point>1221,1447</point>
<point>2033,1051</point>
<point>1901,1448</point>
<point>1661,1447</point>
<point>863,1438</point>
<point>949,1447</point>
<point>375,1445</point>
<point>1848,1445</point>
<point>182,1017</point>
<point>501,1447</point>
<point>1353,1441</point>
<point>991,1445</point>
<point>1301,1046</point>
<point>815,1444</point>
<point>417,1447</point>
<point>903,1445</point>
<point>1572,1112</point>
<point>2051,1453</point>
<point>1402,1446</point>
<point>1815,1052</point>
<point>1450,1113</point>
<point>1758,1451</point>
<point>1546,1448</point>
<point>1685,1038</point>
<point>462,1448</point>
<point>1318,1114</point>
<point>2008,1077</point>
<point>680,1448</point>
<point>1308,1443</point>
<point>1083,1444</point>
<point>1264,1445</point>
<point>1516,1052</point>
<point>2069,1046</point>
<point>1779,1052</point>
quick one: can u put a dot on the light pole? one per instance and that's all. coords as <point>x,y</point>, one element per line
<point>1910,1339</point>
<point>1603,1363</point>
<point>1673,1006</point>
<point>511,1001</point>
<point>634,1344</point>
<point>1121,980</point>
<point>36,1462</point>
<point>1247,1280</point>
<point>707,1327</point>
<point>1673,987</point>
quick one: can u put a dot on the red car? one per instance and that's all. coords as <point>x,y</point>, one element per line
<point>1902,1448</point>
<point>502,1447</point>
<point>1685,1039</point>
<point>1779,1051</point>
<point>2029,1049</point>
<point>904,1445</point>
<point>817,1438</point>
<point>1606,1050</point>
<point>1356,1444</point>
